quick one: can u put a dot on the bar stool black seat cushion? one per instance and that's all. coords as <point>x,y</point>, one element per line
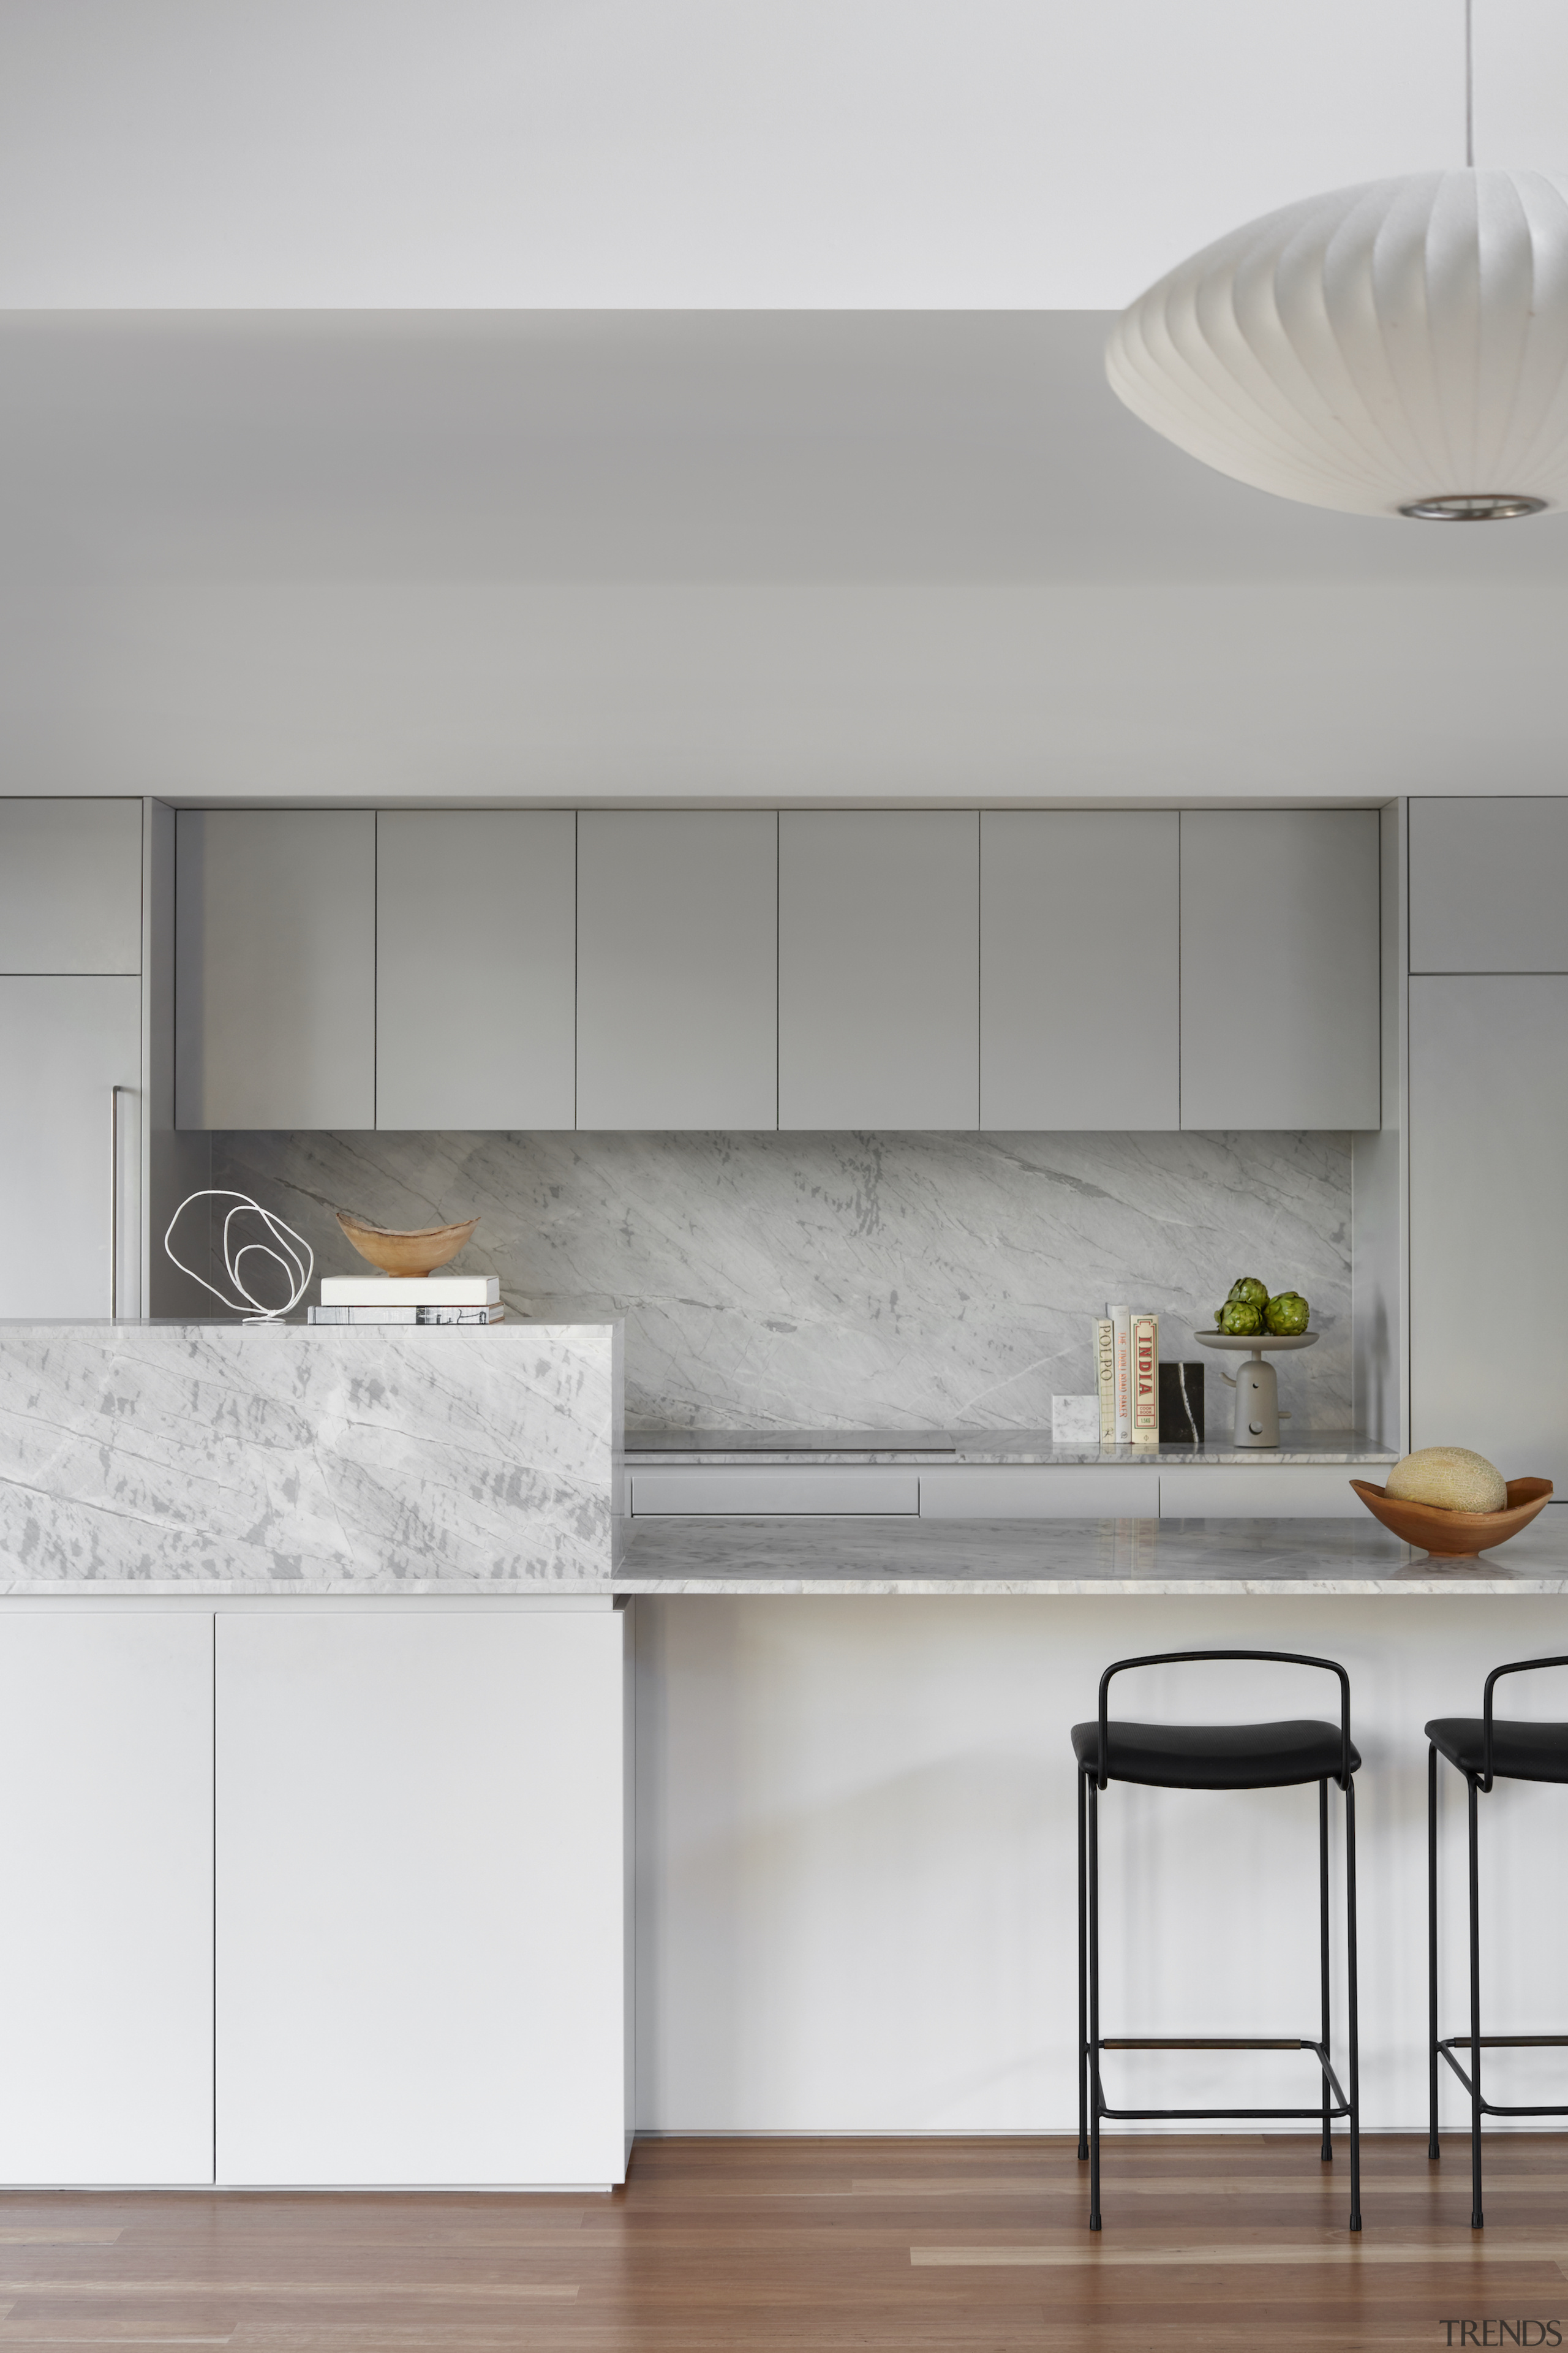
<point>1521,1752</point>
<point>1216,1755</point>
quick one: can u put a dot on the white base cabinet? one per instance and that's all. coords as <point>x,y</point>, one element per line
<point>421,1923</point>
<point>106,1865</point>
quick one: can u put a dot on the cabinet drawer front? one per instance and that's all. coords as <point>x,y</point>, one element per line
<point>1040,1492</point>
<point>1318,1491</point>
<point>760,1489</point>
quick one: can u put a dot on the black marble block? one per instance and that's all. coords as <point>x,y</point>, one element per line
<point>1181,1405</point>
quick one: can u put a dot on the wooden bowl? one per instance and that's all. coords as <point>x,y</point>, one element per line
<point>1456,1536</point>
<point>412,1254</point>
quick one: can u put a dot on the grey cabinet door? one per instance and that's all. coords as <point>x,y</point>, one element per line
<point>64,1040</point>
<point>474,982</point>
<point>677,968</point>
<point>71,886</point>
<point>1080,969</point>
<point>275,968</point>
<point>1489,1245</point>
<point>1280,968</point>
<point>1488,885</point>
<point>878,969</point>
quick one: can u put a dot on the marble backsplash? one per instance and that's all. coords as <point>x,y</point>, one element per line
<point>897,1281</point>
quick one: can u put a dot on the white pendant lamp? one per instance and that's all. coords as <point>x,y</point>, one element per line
<point>1399,348</point>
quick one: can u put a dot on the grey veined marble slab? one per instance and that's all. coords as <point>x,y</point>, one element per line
<point>163,1457</point>
<point>1000,1446</point>
<point>1045,1557</point>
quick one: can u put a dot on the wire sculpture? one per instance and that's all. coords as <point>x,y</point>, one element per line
<point>297,1272</point>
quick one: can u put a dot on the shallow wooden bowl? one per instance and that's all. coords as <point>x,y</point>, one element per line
<point>416,1254</point>
<point>1456,1536</point>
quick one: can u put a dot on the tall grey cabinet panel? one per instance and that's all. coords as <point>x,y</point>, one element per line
<point>1489,1244</point>
<point>1080,969</point>
<point>71,886</point>
<point>66,1040</point>
<point>677,968</point>
<point>474,981</point>
<point>1280,968</point>
<point>1488,885</point>
<point>275,968</point>
<point>878,969</point>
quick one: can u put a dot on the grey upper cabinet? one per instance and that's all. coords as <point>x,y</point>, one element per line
<point>1488,885</point>
<point>71,886</point>
<point>1281,968</point>
<point>474,968</point>
<point>678,969</point>
<point>1079,969</point>
<point>1488,1248</point>
<point>878,969</point>
<point>275,968</point>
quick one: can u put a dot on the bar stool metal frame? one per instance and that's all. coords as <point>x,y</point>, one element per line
<point>1092,2105</point>
<point>1475,2042</point>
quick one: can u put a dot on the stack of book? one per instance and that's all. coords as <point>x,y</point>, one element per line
<point>409,1299</point>
<point>1127,1360</point>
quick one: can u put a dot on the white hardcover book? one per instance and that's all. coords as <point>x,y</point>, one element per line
<point>1121,1327</point>
<point>410,1290</point>
<point>1146,1380</point>
<point>405,1315</point>
<point>1105,1374</point>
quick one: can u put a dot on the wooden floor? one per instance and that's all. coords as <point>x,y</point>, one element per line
<point>1235,2241</point>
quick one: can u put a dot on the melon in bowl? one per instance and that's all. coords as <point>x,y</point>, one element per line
<point>1449,1478</point>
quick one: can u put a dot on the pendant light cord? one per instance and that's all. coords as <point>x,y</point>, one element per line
<point>1470,87</point>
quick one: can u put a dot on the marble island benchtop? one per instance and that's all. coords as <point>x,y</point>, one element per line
<point>1220,1557</point>
<point>988,1446</point>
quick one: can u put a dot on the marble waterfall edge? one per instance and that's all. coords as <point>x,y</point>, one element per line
<point>291,1458</point>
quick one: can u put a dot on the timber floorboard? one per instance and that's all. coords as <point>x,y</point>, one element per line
<point>751,2246</point>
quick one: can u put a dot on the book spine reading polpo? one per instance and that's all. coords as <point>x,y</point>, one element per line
<point>1105,1373</point>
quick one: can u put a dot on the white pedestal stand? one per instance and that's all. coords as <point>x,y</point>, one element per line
<point>1256,1383</point>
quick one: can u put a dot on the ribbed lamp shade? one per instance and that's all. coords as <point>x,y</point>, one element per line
<point>1395,347</point>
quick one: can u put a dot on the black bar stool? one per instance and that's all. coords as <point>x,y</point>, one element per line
<point>1212,1757</point>
<point>1483,1751</point>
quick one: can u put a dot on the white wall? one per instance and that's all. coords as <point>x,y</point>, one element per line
<point>856,1841</point>
<point>693,152</point>
<point>214,692</point>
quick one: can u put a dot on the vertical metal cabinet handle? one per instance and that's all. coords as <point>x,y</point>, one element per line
<point>114,1093</point>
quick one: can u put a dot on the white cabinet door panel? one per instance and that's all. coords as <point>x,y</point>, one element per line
<point>105,1867</point>
<point>677,968</point>
<point>1489,1243</point>
<point>275,968</point>
<point>1488,885</point>
<point>1280,1025</point>
<point>1046,1490</point>
<point>878,969</point>
<point>64,1043</point>
<point>746,1488</point>
<point>420,1898</point>
<point>1080,969</point>
<point>71,886</point>
<point>1268,1490</point>
<point>475,981</point>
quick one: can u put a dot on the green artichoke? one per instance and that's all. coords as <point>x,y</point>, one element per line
<point>1248,1290</point>
<point>1287,1312</point>
<point>1240,1315</point>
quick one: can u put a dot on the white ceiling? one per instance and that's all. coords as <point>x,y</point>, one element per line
<point>731,153</point>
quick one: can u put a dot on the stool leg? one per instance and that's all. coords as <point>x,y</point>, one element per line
<point>1352,2006</point>
<point>1432,2148</point>
<point>1476,2218</point>
<point>1327,2151</point>
<point>1093,2053</point>
<point>1082,1991</point>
